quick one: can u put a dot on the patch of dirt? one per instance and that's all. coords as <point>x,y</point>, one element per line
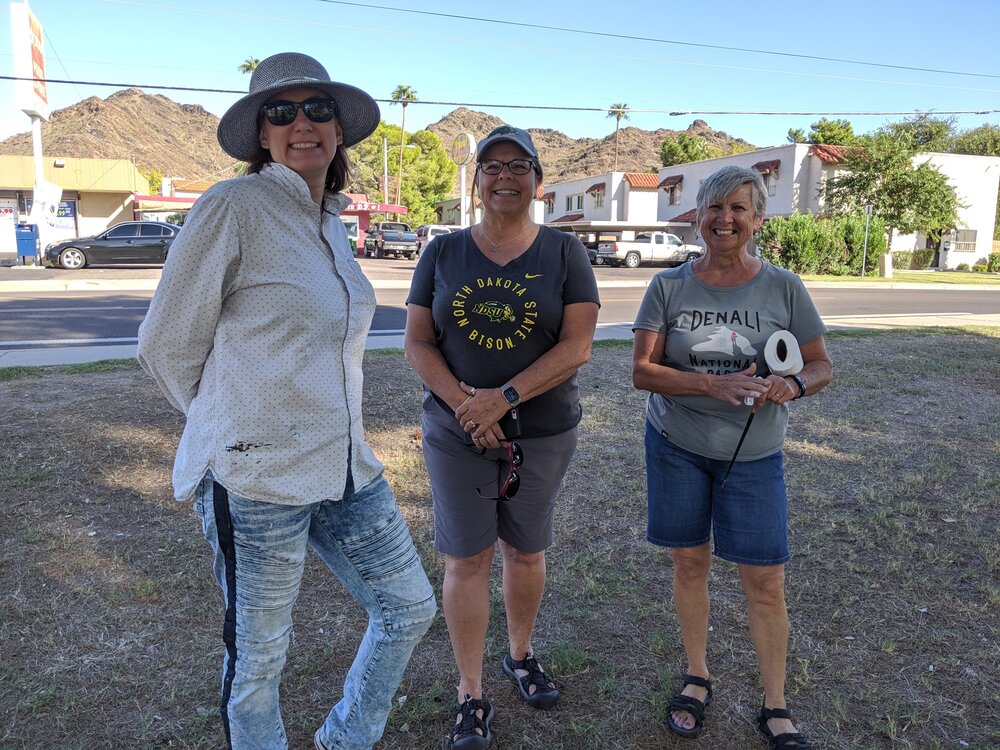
<point>110,634</point>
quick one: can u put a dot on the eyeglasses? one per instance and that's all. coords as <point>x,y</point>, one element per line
<point>510,486</point>
<point>516,166</point>
<point>284,113</point>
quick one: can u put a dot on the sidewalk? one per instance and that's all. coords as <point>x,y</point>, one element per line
<point>384,275</point>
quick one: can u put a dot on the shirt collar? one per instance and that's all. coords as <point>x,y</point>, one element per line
<point>333,202</point>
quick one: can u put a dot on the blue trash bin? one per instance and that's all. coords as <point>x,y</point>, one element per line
<point>27,243</point>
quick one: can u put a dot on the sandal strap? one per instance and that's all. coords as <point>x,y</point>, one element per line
<point>774,713</point>
<point>470,721</point>
<point>790,741</point>
<point>536,675</point>
<point>687,703</point>
<point>693,679</point>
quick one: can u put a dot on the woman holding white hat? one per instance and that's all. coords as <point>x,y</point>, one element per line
<point>257,333</point>
<point>700,349</point>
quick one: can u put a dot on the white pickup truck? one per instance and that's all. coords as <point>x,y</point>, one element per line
<point>654,247</point>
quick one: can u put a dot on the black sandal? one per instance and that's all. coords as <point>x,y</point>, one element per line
<point>690,705</point>
<point>545,694</point>
<point>470,732</point>
<point>785,740</point>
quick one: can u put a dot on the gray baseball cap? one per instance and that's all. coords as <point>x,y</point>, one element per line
<point>514,135</point>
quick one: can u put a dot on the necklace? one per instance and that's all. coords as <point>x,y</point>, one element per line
<point>495,246</point>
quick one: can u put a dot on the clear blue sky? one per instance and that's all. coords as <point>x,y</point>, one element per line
<point>201,43</point>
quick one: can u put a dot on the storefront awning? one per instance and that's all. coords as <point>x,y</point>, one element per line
<point>162,203</point>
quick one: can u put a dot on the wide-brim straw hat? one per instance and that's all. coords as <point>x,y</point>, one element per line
<point>357,112</point>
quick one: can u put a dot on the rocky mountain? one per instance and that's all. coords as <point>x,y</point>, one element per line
<point>179,139</point>
<point>152,130</point>
<point>564,158</point>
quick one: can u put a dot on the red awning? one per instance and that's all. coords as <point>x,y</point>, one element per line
<point>597,187</point>
<point>567,219</point>
<point>676,179</point>
<point>766,167</point>
<point>549,196</point>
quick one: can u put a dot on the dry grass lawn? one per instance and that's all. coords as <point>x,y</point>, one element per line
<point>110,621</point>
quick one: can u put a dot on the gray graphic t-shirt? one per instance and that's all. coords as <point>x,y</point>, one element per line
<point>494,321</point>
<point>721,330</point>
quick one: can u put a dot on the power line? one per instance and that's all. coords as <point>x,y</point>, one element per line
<point>548,107</point>
<point>631,38</point>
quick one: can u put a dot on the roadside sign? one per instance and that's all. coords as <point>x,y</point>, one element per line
<point>463,149</point>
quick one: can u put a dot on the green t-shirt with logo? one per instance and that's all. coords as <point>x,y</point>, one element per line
<point>721,330</point>
<point>493,321</point>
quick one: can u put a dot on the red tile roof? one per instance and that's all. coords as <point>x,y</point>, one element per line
<point>676,179</point>
<point>642,180</point>
<point>691,216</point>
<point>828,154</point>
<point>192,186</point>
<point>567,218</point>
<point>766,167</point>
<point>539,193</point>
<point>597,187</point>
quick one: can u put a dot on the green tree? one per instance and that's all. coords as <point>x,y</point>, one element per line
<point>981,141</point>
<point>428,174</point>
<point>154,177</point>
<point>836,132</point>
<point>402,95</point>
<point>908,198</point>
<point>686,148</point>
<point>249,65</point>
<point>925,132</point>
<point>618,110</point>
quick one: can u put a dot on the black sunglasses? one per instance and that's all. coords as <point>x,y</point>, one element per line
<point>512,484</point>
<point>284,113</point>
<point>516,166</point>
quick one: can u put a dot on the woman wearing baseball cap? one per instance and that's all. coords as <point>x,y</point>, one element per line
<point>499,319</point>
<point>256,333</point>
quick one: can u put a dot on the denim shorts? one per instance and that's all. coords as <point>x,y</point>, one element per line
<point>747,520</point>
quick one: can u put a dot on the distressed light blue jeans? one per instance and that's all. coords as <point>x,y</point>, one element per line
<point>260,551</point>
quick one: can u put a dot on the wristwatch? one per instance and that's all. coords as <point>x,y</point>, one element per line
<point>801,384</point>
<point>510,394</point>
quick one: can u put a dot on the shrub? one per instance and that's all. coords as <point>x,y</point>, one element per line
<point>902,259</point>
<point>980,267</point>
<point>993,264</point>
<point>962,267</point>
<point>805,244</point>
<point>922,258</point>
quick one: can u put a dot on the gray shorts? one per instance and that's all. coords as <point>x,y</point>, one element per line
<point>467,522</point>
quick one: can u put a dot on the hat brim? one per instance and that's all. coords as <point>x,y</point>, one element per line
<point>357,114</point>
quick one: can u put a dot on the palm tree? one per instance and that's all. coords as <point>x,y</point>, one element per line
<point>249,65</point>
<point>618,110</point>
<point>402,95</point>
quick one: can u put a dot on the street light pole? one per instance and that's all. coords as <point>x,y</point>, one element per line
<point>864,253</point>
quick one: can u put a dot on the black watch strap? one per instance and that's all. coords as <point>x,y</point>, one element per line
<point>801,384</point>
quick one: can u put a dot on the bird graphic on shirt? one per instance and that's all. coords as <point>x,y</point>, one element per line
<point>725,341</point>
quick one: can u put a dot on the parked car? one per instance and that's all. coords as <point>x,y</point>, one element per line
<point>592,253</point>
<point>427,232</point>
<point>132,242</point>
<point>655,247</point>
<point>391,238</point>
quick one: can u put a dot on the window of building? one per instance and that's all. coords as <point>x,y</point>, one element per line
<point>674,195</point>
<point>599,199</point>
<point>771,180</point>
<point>550,205</point>
<point>578,201</point>
<point>569,202</point>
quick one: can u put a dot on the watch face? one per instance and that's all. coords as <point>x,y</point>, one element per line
<point>511,395</point>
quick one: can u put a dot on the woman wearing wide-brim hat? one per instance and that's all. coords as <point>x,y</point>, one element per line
<point>257,333</point>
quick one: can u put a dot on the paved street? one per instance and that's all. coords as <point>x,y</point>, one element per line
<point>51,316</point>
